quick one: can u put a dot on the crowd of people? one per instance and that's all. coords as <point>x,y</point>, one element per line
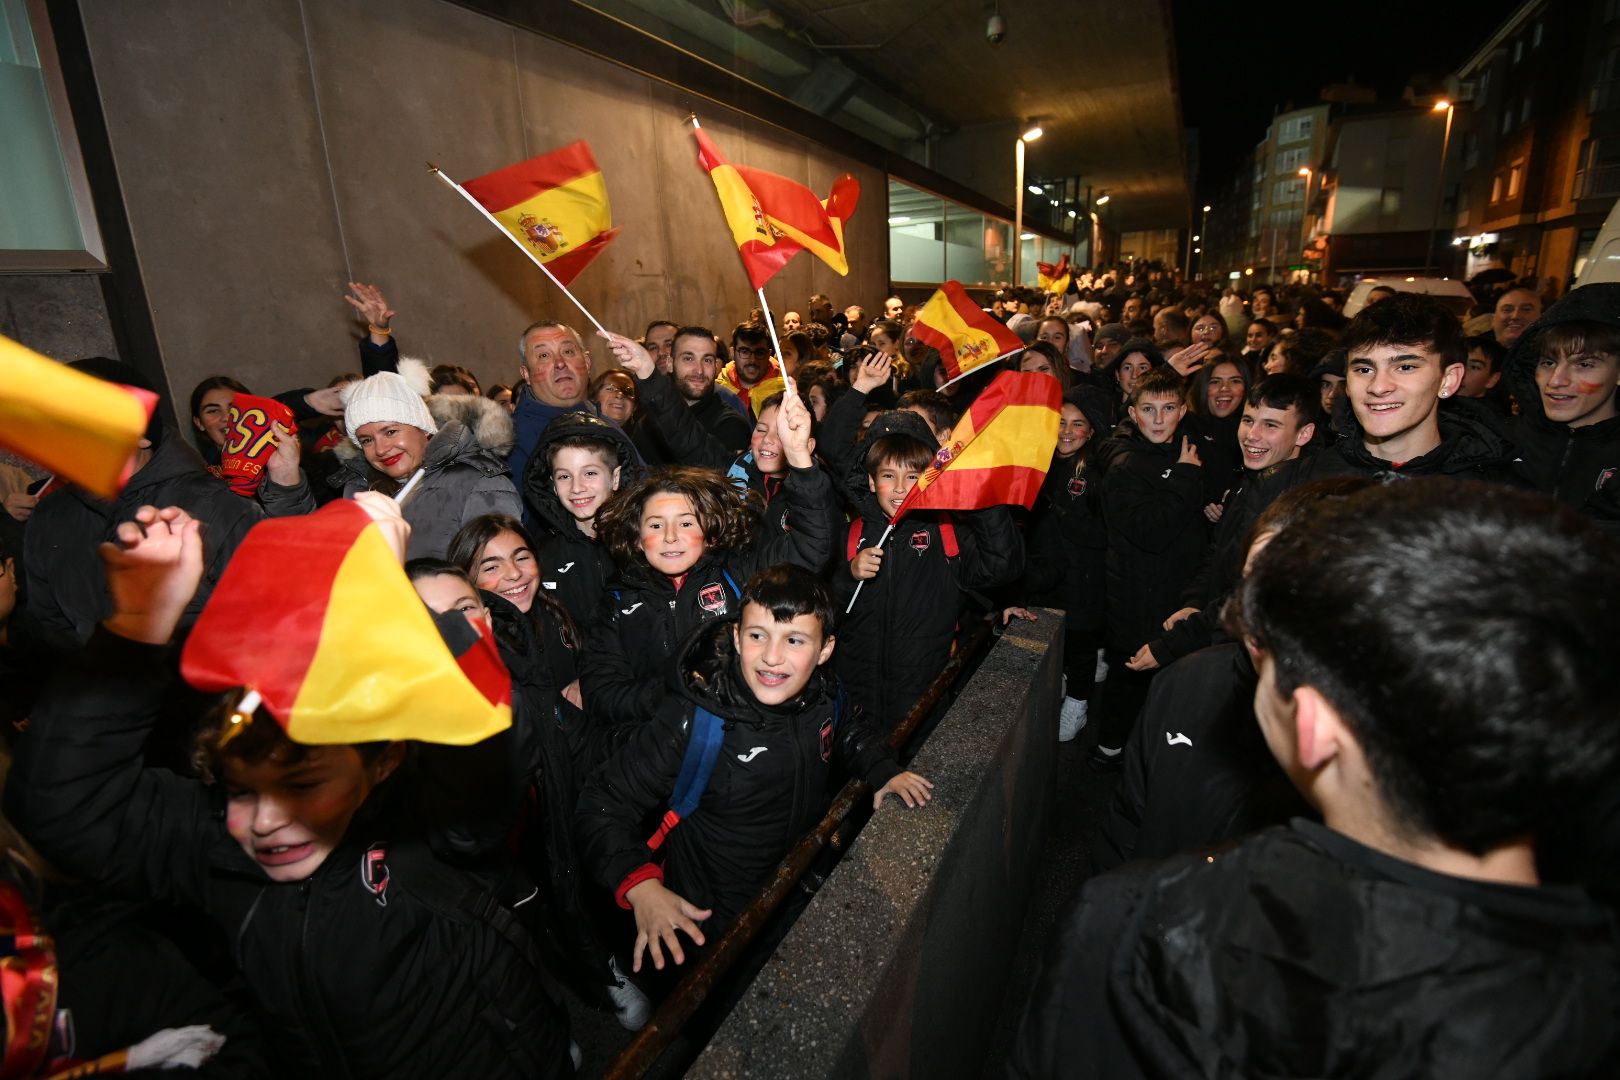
<point>1345,571</point>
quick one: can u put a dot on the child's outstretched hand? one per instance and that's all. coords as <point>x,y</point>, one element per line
<point>630,354</point>
<point>659,914</point>
<point>913,790</point>
<point>872,373</point>
<point>793,428</point>
<point>152,572</point>
<point>866,563</point>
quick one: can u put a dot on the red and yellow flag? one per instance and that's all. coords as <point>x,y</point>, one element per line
<point>999,451</point>
<point>555,205</point>
<point>1054,280</point>
<point>773,218</point>
<point>81,428</point>
<point>965,334</point>
<point>342,651</point>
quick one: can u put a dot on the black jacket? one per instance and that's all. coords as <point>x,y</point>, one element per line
<point>642,617</point>
<point>1154,507</point>
<point>1579,467</point>
<point>1068,546</point>
<point>1303,953</point>
<point>345,985</point>
<point>1472,447</point>
<point>67,591</point>
<point>1197,770</point>
<point>771,782</point>
<point>573,568</point>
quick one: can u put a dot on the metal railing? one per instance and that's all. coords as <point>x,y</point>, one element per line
<point>644,1050</point>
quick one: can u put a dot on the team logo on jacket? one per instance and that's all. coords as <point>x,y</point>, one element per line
<point>1077,486</point>
<point>712,598</point>
<point>1603,479</point>
<point>920,541</point>
<point>826,740</point>
<point>374,872</point>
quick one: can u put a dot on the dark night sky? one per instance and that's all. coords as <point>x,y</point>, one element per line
<point>1240,62</point>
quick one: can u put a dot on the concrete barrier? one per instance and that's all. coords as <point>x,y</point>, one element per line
<point>897,966</point>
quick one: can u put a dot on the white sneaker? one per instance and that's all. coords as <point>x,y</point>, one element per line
<point>575,1054</point>
<point>1102,666</point>
<point>1072,720</point>
<point>629,1003</point>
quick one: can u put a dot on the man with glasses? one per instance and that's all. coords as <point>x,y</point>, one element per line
<point>751,363</point>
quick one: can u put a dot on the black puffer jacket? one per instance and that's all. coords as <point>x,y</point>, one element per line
<point>1303,953</point>
<point>346,986</point>
<point>898,636</point>
<point>1473,446</point>
<point>642,616</point>
<point>1068,541</point>
<point>771,782</point>
<point>67,590</point>
<point>573,567</point>
<point>1577,466</point>
<point>1154,507</point>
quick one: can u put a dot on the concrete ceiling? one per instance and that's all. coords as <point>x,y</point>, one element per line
<point>920,77</point>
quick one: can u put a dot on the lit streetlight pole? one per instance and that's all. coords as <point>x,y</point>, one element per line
<point>1030,134</point>
<point>1440,182</point>
<point>1305,171</point>
<point>1203,227</point>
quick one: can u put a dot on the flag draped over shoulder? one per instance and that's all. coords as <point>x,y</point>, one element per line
<point>965,335</point>
<point>556,205</point>
<point>80,427</point>
<point>1055,280</point>
<point>999,451</point>
<point>773,218</point>
<point>342,651</point>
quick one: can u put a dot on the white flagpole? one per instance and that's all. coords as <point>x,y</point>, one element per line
<point>859,585</point>
<point>493,220</point>
<point>981,367</point>
<point>770,324</point>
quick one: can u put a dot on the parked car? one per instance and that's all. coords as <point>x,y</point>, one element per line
<point>1449,291</point>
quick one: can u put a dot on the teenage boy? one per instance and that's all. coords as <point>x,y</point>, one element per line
<point>1409,934</point>
<point>1404,357</point>
<point>899,633</point>
<point>1153,504</point>
<point>758,684</point>
<point>1279,421</point>
<point>1563,373</point>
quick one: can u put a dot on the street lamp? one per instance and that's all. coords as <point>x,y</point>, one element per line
<point>1030,134</point>
<point>1440,181</point>
<point>1203,227</point>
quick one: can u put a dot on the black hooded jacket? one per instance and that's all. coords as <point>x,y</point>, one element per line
<point>770,784</point>
<point>894,641</point>
<point>1303,953</point>
<point>1068,541</point>
<point>1579,467</point>
<point>573,567</point>
<point>1472,446</point>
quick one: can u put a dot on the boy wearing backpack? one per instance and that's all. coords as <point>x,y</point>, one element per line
<point>741,753</point>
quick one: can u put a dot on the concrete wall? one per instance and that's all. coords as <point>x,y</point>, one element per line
<point>897,966</point>
<point>272,150</point>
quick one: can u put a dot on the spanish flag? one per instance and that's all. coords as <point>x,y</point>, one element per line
<point>556,205</point>
<point>76,425</point>
<point>1054,280</point>
<point>342,650</point>
<point>964,333</point>
<point>999,451</point>
<point>773,218</point>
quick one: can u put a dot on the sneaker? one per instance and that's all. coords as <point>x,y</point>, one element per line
<point>575,1054</point>
<point>629,1003</point>
<point>1106,758</point>
<point>1072,720</point>
<point>1102,666</point>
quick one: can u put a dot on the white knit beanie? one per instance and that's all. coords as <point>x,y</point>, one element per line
<point>385,398</point>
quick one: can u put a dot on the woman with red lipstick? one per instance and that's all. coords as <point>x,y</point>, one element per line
<point>316,863</point>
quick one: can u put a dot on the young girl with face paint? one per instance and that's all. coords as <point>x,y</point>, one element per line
<point>312,859</point>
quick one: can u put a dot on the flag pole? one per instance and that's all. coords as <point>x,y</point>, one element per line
<point>776,344</point>
<point>476,205</point>
<point>859,585</point>
<point>981,367</point>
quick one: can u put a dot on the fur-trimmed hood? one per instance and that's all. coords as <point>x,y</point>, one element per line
<point>488,420</point>
<point>473,429</point>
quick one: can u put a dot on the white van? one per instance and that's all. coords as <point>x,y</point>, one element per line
<point>1449,291</point>
<point>1602,263</point>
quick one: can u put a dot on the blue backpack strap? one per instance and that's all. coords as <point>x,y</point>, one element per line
<point>732,582</point>
<point>703,741</point>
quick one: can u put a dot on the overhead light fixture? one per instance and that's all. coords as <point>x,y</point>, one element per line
<point>1248,271</point>
<point>1442,105</point>
<point>1198,251</point>
<point>1031,134</point>
<point>1206,208</point>
<point>1102,200</point>
<point>1305,170</point>
<point>1033,190</point>
<point>1196,238</point>
<point>899,220</point>
<point>1072,213</point>
<point>1026,236</point>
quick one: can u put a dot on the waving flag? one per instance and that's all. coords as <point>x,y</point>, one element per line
<point>342,651</point>
<point>76,425</point>
<point>999,451</point>
<point>556,205</point>
<point>965,334</point>
<point>773,218</point>
<point>1054,280</point>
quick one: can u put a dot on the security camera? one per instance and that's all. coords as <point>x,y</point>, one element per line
<point>995,29</point>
